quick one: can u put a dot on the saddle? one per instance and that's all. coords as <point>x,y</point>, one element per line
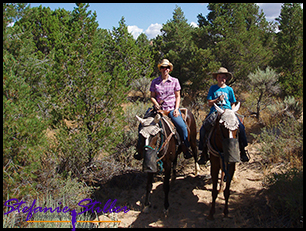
<point>184,112</point>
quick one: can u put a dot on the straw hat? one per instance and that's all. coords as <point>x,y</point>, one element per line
<point>223,70</point>
<point>165,63</point>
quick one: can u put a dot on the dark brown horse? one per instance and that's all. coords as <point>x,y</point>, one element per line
<point>157,139</point>
<point>224,152</point>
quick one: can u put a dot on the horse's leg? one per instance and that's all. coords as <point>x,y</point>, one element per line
<point>214,170</point>
<point>227,189</point>
<point>149,188</point>
<point>192,137</point>
<point>173,177</point>
<point>221,185</point>
<point>195,157</point>
<point>166,187</point>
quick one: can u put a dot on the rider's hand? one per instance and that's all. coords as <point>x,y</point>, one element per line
<point>157,107</point>
<point>176,113</point>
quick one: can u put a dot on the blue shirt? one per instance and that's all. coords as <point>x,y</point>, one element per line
<point>229,97</point>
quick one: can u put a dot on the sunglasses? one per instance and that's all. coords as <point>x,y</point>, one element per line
<point>165,67</point>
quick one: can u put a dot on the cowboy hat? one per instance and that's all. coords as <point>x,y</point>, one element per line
<point>165,63</point>
<point>223,70</point>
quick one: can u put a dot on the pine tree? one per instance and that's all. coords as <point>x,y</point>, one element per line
<point>176,45</point>
<point>145,56</point>
<point>289,50</point>
<point>192,63</point>
<point>237,36</point>
<point>46,27</point>
<point>23,124</point>
<point>86,94</point>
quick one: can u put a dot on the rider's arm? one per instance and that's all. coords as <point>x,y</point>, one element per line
<point>177,99</point>
<point>177,103</point>
<point>211,102</point>
<point>154,101</point>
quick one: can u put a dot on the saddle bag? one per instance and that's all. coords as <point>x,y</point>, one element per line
<point>149,161</point>
<point>231,150</point>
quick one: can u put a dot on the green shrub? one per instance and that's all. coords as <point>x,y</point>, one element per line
<point>282,142</point>
<point>127,147</point>
<point>142,85</point>
<point>285,198</point>
<point>69,192</point>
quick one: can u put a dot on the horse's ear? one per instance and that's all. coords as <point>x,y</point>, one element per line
<point>236,108</point>
<point>140,119</point>
<point>218,109</point>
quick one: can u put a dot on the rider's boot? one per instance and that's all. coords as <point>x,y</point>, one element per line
<point>243,155</point>
<point>137,156</point>
<point>186,150</point>
<point>204,156</point>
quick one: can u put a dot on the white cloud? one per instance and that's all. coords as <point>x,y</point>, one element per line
<point>153,30</point>
<point>135,31</point>
<point>194,24</point>
<point>271,10</point>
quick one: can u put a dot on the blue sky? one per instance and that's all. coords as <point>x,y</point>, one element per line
<point>148,17</point>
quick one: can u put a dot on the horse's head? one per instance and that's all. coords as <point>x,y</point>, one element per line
<point>228,121</point>
<point>148,140</point>
<point>229,124</point>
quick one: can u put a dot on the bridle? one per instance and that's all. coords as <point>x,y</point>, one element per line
<point>159,131</point>
<point>163,146</point>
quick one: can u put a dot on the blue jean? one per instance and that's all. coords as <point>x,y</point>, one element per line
<point>180,126</point>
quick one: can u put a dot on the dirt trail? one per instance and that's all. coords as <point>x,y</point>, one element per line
<point>189,197</point>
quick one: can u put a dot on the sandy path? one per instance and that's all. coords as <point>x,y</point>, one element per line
<point>189,198</point>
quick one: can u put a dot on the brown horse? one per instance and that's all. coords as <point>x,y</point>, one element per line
<point>157,140</point>
<point>224,152</point>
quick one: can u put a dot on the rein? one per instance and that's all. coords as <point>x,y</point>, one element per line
<point>164,145</point>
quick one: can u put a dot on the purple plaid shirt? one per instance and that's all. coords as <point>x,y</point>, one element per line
<point>165,91</point>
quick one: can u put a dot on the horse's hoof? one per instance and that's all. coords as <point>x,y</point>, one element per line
<point>166,212</point>
<point>226,218</point>
<point>146,209</point>
<point>197,169</point>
